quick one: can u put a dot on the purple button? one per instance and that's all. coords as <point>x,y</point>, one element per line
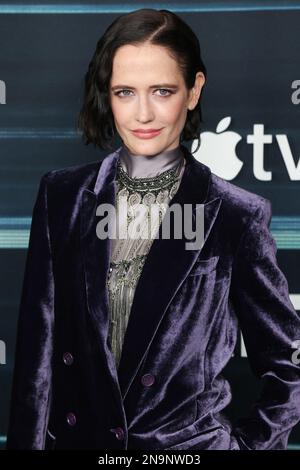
<point>71,419</point>
<point>119,433</point>
<point>148,380</point>
<point>68,358</point>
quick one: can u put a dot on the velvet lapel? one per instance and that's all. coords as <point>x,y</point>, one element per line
<point>167,264</point>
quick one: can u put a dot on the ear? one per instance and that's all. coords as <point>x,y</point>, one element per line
<point>195,92</point>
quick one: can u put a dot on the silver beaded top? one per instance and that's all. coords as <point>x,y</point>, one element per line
<point>128,255</point>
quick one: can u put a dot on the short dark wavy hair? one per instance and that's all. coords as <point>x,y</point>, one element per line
<point>157,27</point>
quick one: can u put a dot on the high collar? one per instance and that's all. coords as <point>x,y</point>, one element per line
<point>144,166</point>
<point>194,187</point>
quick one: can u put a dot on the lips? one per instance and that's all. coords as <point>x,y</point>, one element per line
<point>146,134</point>
<point>146,131</point>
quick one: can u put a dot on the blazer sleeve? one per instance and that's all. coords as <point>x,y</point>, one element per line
<point>31,384</point>
<point>270,325</point>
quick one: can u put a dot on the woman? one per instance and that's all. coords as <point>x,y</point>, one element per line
<point>122,341</point>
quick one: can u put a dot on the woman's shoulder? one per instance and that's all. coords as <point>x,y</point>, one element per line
<point>75,176</point>
<point>72,174</point>
<point>237,201</point>
<point>64,186</point>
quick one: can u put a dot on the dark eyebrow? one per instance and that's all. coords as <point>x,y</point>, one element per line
<point>160,85</point>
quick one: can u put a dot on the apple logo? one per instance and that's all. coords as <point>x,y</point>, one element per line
<point>217,150</point>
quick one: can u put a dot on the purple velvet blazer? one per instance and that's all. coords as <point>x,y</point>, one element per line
<point>169,392</point>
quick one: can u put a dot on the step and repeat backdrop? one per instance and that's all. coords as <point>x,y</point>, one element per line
<point>251,110</point>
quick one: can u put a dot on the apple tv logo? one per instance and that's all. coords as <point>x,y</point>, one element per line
<point>218,151</point>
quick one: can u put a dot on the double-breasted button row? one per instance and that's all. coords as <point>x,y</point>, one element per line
<point>68,358</point>
<point>119,433</point>
<point>148,380</point>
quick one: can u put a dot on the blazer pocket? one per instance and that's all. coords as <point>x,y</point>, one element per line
<point>204,266</point>
<point>50,441</point>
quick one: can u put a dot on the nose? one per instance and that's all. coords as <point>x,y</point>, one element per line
<point>144,110</point>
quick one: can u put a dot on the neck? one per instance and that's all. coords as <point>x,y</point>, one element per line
<point>144,166</point>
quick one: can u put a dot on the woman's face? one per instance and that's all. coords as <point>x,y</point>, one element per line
<point>147,91</point>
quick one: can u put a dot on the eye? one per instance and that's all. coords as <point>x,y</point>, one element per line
<point>118,93</point>
<point>165,89</point>
<point>124,93</point>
